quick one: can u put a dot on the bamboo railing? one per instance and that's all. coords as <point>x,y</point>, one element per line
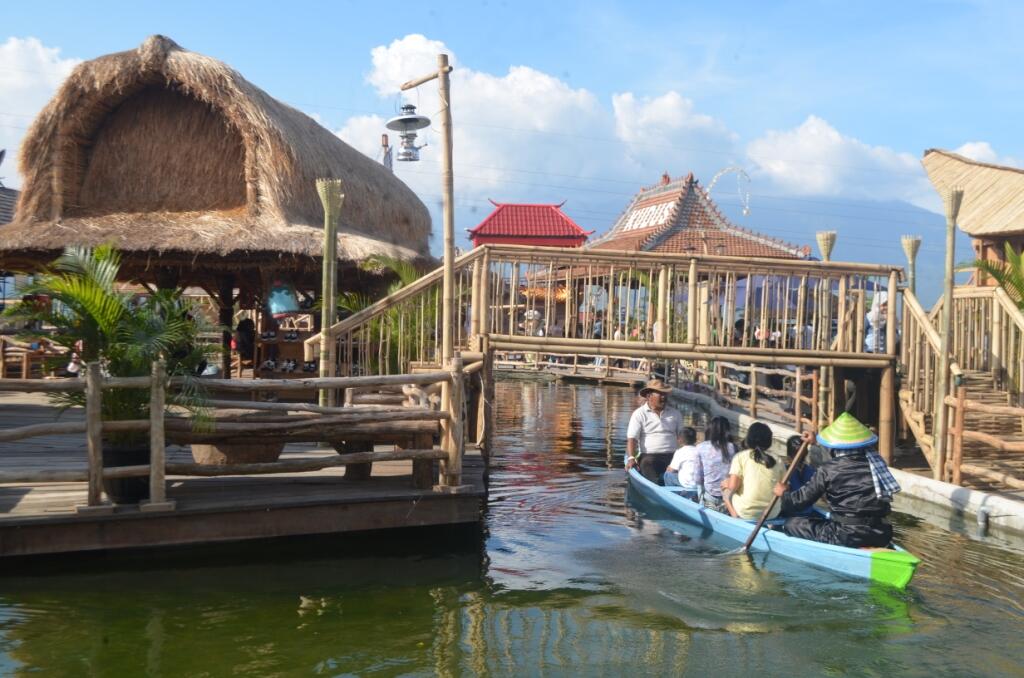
<point>281,422</point>
<point>514,294</point>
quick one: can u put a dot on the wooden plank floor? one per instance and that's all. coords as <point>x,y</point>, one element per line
<point>42,517</point>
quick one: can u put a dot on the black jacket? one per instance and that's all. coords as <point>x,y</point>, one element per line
<point>846,484</point>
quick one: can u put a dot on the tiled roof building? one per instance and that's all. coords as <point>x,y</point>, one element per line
<point>677,216</point>
<point>540,225</point>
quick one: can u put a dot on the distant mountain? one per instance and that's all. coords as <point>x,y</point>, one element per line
<point>867,231</point>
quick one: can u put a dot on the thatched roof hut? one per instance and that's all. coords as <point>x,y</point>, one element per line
<point>196,173</point>
<point>992,212</point>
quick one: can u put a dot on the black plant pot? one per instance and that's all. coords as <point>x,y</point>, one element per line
<point>126,490</point>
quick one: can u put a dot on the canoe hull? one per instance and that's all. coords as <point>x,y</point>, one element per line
<point>886,566</point>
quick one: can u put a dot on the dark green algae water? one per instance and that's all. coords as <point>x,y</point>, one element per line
<point>569,578</point>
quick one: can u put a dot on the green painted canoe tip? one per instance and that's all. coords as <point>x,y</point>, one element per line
<point>894,568</point>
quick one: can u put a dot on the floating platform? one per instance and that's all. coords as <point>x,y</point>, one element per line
<point>42,518</point>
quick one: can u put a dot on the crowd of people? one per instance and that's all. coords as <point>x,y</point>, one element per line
<point>744,480</point>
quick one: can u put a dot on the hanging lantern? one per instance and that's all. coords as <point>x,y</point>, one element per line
<point>282,300</point>
<point>406,125</point>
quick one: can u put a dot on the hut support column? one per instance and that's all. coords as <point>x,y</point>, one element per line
<point>225,317</point>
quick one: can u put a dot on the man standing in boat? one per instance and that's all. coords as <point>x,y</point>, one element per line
<point>655,431</point>
<point>857,485</point>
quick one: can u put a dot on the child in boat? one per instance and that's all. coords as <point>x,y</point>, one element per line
<point>752,476</point>
<point>857,485</point>
<point>801,475</point>
<point>713,458</point>
<point>681,469</point>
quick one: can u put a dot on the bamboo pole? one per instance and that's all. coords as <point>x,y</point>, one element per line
<point>301,465</point>
<point>94,431</point>
<point>887,397</point>
<point>332,198</point>
<point>686,352</point>
<point>662,334</point>
<point>952,200</point>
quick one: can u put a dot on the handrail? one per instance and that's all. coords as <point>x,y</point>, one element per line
<point>586,254</point>
<point>435,276</point>
<point>1011,308</point>
<point>934,340</point>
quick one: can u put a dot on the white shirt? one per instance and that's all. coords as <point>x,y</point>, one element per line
<point>684,462</point>
<point>653,433</point>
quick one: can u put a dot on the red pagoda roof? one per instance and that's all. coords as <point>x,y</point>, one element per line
<point>528,224</point>
<point>678,216</point>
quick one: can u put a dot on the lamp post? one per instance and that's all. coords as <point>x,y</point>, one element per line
<point>447,192</point>
<point>952,199</point>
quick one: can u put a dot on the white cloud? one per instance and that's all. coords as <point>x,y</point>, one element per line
<point>526,135</point>
<point>816,159</point>
<point>30,73</point>
<point>982,151</point>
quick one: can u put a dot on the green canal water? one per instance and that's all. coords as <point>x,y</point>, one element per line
<point>570,578</point>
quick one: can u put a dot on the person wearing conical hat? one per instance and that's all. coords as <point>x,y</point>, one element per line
<point>655,431</point>
<point>857,485</point>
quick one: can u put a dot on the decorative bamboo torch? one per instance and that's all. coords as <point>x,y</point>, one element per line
<point>911,244</point>
<point>826,241</point>
<point>952,199</point>
<point>332,199</point>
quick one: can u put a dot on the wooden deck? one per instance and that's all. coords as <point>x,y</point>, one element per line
<point>42,518</point>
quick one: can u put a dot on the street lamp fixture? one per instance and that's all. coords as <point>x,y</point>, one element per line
<point>406,125</point>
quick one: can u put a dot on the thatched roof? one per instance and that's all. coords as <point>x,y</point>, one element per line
<point>993,203</point>
<point>175,156</point>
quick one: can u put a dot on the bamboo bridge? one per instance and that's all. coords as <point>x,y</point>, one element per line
<point>779,338</point>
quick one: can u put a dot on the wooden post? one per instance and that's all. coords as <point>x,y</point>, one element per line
<point>94,439</point>
<point>451,428</point>
<point>953,199</point>
<point>887,397</point>
<point>157,444</point>
<point>691,304</point>
<point>957,435</point>
<point>799,404</point>
<point>753,391</point>
<point>996,359</point>
<point>225,316</point>
<point>815,411</point>
<point>332,199</point>
<point>474,301</point>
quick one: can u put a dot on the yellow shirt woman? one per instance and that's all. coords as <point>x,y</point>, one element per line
<point>756,482</point>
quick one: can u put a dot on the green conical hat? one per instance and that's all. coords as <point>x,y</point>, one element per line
<point>846,433</point>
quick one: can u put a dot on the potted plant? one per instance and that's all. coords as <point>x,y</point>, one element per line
<point>94,321</point>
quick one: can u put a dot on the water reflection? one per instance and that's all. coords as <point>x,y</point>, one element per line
<point>573,578</point>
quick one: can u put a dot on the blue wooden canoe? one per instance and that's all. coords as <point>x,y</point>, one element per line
<point>894,567</point>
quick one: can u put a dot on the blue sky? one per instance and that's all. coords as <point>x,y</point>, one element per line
<point>822,103</point>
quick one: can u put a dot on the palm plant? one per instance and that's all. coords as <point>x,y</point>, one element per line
<point>1009,274</point>
<point>94,321</point>
<point>352,302</point>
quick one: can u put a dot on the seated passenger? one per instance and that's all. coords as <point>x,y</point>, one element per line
<point>857,485</point>
<point>801,475</point>
<point>713,457</point>
<point>752,476</point>
<point>683,466</point>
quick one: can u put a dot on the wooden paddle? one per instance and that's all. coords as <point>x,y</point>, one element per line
<point>801,453</point>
